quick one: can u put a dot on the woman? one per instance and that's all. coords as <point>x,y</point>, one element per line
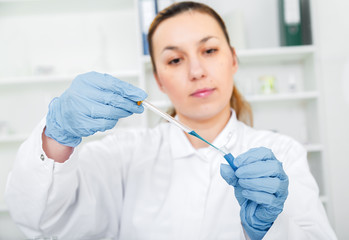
<point>162,183</point>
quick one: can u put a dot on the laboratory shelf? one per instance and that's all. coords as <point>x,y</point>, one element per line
<point>122,74</point>
<point>281,54</point>
<point>313,147</point>
<point>283,96</point>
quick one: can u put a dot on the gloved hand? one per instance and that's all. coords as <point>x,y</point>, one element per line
<point>94,102</point>
<point>261,188</point>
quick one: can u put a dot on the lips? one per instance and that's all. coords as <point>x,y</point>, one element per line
<point>201,93</point>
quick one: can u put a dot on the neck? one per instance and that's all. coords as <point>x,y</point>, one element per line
<point>208,128</point>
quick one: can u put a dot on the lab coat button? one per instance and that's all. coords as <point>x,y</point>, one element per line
<point>42,157</point>
<point>230,134</point>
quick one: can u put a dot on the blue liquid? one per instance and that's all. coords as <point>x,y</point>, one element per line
<point>193,133</point>
<point>228,157</point>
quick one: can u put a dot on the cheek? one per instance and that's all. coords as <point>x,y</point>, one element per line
<point>170,78</point>
<point>171,85</point>
<point>224,73</point>
<point>225,77</point>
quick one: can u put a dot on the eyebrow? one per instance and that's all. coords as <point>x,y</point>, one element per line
<point>205,39</point>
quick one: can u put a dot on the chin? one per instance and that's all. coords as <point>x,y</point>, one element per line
<point>203,112</point>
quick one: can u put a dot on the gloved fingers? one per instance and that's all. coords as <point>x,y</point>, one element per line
<point>122,102</point>
<point>125,89</point>
<point>256,223</point>
<point>255,228</point>
<point>254,155</point>
<point>267,214</point>
<point>103,124</point>
<point>268,184</point>
<point>228,174</point>
<point>249,209</point>
<point>107,82</point>
<point>107,97</point>
<point>282,192</point>
<point>78,128</point>
<point>269,168</point>
<point>259,196</point>
<point>98,111</point>
<point>238,194</point>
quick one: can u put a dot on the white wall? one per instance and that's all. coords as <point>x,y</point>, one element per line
<point>333,38</point>
<point>259,20</point>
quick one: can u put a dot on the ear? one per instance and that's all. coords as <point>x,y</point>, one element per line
<point>156,76</point>
<point>235,60</point>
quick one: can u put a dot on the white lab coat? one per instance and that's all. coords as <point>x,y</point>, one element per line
<point>152,184</point>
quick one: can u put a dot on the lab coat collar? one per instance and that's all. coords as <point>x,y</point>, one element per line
<point>181,147</point>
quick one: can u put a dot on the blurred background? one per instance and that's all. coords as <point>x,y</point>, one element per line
<point>294,70</point>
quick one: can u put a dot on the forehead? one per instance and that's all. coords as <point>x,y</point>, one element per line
<point>186,27</point>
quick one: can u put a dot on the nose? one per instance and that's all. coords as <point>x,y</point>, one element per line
<point>197,70</point>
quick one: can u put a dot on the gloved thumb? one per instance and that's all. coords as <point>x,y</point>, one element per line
<point>228,174</point>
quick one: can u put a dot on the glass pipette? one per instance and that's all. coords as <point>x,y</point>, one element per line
<point>228,156</point>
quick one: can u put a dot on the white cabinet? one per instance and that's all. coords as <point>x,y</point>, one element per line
<point>295,108</point>
<point>45,44</point>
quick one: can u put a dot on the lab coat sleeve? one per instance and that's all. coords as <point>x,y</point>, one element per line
<point>70,200</point>
<point>303,216</point>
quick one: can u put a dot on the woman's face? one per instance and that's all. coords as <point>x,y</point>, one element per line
<point>195,65</point>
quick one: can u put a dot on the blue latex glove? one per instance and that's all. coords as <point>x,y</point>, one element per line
<point>94,102</point>
<point>261,188</point>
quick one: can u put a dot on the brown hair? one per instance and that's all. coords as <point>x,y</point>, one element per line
<point>237,101</point>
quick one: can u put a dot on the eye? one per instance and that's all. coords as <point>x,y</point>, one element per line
<point>211,51</point>
<point>174,61</point>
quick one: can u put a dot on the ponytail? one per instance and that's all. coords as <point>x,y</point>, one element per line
<point>241,107</point>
